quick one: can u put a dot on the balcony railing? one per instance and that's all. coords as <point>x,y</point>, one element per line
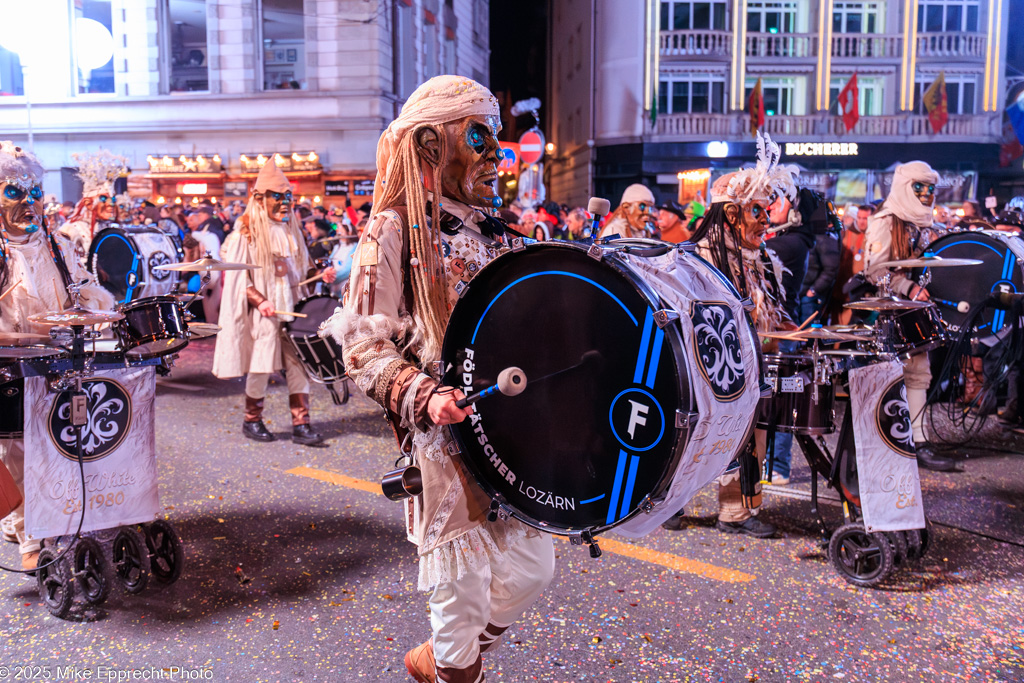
<point>816,128</point>
<point>696,43</point>
<point>951,45</point>
<point>782,45</point>
<point>867,46</point>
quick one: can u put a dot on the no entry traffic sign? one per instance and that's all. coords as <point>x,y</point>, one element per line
<point>531,146</point>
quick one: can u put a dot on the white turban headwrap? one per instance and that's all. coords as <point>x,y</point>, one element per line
<point>902,202</point>
<point>440,100</point>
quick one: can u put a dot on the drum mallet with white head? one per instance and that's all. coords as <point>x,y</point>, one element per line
<point>598,207</point>
<point>511,382</point>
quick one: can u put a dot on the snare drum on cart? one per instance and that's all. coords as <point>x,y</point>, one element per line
<point>642,383</point>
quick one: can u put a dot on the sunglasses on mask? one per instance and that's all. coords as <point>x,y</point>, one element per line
<point>287,195</point>
<point>16,193</point>
<point>920,187</point>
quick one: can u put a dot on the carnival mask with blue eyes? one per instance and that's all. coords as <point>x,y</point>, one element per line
<point>639,215</point>
<point>21,209</point>
<point>925,192</point>
<point>278,204</point>
<point>471,174</point>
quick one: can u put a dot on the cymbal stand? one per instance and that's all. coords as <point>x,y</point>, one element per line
<point>203,283</point>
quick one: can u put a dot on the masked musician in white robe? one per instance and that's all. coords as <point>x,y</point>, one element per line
<point>255,303</point>
<point>98,206</point>
<point>35,271</point>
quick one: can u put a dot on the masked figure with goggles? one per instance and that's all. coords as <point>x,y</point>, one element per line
<point>901,229</point>
<point>635,216</point>
<point>35,270</point>
<point>98,207</point>
<point>255,303</point>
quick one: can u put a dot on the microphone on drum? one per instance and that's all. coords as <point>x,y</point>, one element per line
<point>511,382</point>
<point>598,207</point>
<point>1004,300</point>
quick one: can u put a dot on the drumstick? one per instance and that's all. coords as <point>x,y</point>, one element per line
<point>292,313</point>
<point>511,382</point>
<point>807,322</point>
<point>10,289</point>
<point>312,279</point>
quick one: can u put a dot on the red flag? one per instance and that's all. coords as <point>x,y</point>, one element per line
<point>935,102</point>
<point>755,105</point>
<point>849,103</point>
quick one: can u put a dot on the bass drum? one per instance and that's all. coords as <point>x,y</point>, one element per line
<point>124,259</point>
<point>642,383</point>
<point>1000,271</point>
<point>321,356</point>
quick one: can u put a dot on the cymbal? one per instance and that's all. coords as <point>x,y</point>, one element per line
<point>819,333</point>
<point>929,262</point>
<point>886,304</point>
<point>202,330</point>
<point>18,338</point>
<point>861,330</point>
<point>208,264</point>
<point>846,352</point>
<point>76,316</point>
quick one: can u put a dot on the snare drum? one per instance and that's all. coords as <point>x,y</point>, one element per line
<point>909,332</point>
<point>124,261</point>
<point>794,405</point>
<point>152,327</point>
<point>642,383</point>
<point>958,292</point>
<point>320,356</point>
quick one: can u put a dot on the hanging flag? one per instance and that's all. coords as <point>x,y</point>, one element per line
<point>935,102</point>
<point>755,105</point>
<point>654,106</point>
<point>849,103</point>
<point>1015,112</point>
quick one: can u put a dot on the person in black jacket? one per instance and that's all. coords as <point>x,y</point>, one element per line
<point>822,270</point>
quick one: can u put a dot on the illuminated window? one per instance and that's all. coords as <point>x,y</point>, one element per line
<point>691,94</point>
<point>184,46</point>
<point>857,17</point>
<point>869,96</point>
<point>94,46</point>
<point>936,16</point>
<point>771,16</point>
<point>284,46</point>
<point>693,15</point>
<point>782,96</point>
<point>960,92</point>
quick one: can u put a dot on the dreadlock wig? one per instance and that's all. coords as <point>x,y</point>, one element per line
<point>400,182</point>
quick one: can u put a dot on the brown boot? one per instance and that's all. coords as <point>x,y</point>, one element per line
<point>30,560</point>
<point>473,674</point>
<point>253,409</point>
<point>302,433</point>
<point>419,661</point>
<point>490,638</point>
<point>252,426</point>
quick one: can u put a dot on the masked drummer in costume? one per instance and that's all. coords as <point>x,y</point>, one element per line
<point>732,238</point>
<point>35,270</point>
<point>98,206</point>
<point>255,303</point>
<point>901,230</point>
<point>436,170</point>
<point>634,218</point>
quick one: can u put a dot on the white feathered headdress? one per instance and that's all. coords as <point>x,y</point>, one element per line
<point>19,167</point>
<point>98,171</point>
<point>767,180</point>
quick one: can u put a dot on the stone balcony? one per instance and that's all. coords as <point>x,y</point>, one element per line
<point>951,46</point>
<point>784,45</point>
<point>866,46</point>
<point>979,128</point>
<point>715,44</point>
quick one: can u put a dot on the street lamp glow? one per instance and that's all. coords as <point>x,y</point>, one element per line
<point>94,46</point>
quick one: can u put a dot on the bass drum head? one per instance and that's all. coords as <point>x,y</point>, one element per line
<point>973,284</point>
<point>317,308</point>
<point>124,261</point>
<point>594,432</point>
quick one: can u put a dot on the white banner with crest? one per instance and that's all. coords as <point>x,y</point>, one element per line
<point>890,489</point>
<point>118,449</point>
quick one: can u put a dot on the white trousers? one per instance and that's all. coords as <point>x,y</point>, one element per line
<point>495,594</point>
<point>12,452</point>
<point>295,374</point>
<point>917,375</point>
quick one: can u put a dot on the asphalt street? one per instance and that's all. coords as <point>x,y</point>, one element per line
<point>297,569</point>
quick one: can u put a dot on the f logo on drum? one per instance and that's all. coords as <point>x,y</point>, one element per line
<point>637,420</point>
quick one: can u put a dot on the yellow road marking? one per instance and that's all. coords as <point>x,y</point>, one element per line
<point>635,552</point>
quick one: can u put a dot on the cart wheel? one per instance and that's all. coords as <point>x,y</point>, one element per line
<point>915,543</point>
<point>861,558</point>
<point>130,565</point>
<point>166,555</point>
<point>899,546</point>
<point>54,581</point>
<point>344,391</point>
<point>91,571</point>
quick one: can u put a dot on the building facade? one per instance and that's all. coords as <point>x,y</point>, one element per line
<point>196,93</point>
<point>656,91</point>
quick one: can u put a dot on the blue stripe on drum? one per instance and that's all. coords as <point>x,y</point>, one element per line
<point>999,319</point>
<point>592,500</point>
<point>620,471</point>
<point>551,272</point>
<point>645,341</point>
<point>627,495</point>
<point>652,372</point>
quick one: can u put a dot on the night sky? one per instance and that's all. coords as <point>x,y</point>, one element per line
<point>519,49</point>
